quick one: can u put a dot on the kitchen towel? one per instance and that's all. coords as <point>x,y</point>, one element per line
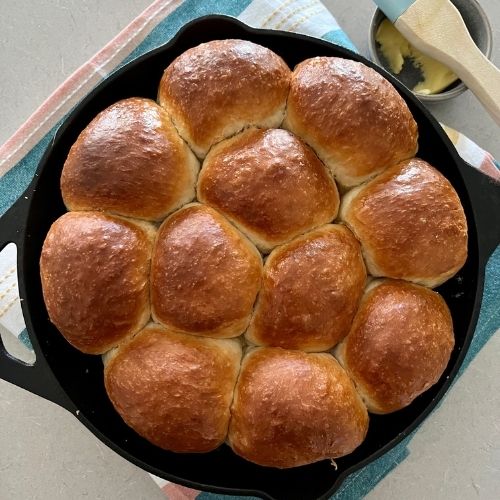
<point>20,155</point>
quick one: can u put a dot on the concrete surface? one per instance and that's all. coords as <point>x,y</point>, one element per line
<point>46,454</point>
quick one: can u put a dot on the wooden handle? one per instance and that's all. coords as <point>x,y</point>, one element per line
<point>437,29</point>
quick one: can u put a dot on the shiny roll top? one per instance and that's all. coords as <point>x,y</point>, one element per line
<point>218,88</point>
<point>130,161</point>
<point>95,278</point>
<point>351,116</point>
<point>252,178</point>
<point>310,291</point>
<point>410,222</point>
<point>173,389</point>
<point>205,274</point>
<point>399,344</point>
<point>291,408</point>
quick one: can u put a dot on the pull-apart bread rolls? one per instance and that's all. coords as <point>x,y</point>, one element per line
<point>270,184</point>
<point>310,292</point>
<point>130,161</point>
<point>174,389</point>
<point>95,278</point>
<point>205,274</point>
<point>351,116</point>
<point>291,408</point>
<point>218,88</point>
<point>157,264</point>
<point>399,344</point>
<point>410,222</point>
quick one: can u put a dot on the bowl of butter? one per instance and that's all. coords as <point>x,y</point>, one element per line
<point>429,80</point>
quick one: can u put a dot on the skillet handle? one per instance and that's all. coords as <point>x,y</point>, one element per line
<point>37,378</point>
<point>485,197</point>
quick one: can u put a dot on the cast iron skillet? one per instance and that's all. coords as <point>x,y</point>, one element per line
<point>75,381</point>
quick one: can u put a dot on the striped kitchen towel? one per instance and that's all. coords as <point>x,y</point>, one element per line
<point>20,155</point>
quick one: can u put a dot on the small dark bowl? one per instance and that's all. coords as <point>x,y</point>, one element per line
<point>479,28</point>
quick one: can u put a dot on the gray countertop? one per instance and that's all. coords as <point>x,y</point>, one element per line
<point>45,453</point>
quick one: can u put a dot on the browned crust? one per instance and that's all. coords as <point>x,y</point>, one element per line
<point>353,117</point>
<point>129,161</point>
<point>411,224</point>
<point>310,291</point>
<point>399,344</point>
<point>95,278</point>
<point>253,177</point>
<point>291,408</point>
<point>175,390</point>
<point>205,275</point>
<point>217,88</point>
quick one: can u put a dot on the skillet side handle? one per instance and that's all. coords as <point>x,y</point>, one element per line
<point>37,378</point>
<point>485,197</point>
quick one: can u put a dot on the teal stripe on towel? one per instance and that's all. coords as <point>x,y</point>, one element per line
<point>339,38</point>
<point>24,338</point>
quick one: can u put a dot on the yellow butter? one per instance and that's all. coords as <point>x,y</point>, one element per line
<point>396,49</point>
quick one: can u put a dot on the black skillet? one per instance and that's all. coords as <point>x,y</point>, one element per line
<point>74,380</point>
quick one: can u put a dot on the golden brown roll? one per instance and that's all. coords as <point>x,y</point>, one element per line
<point>270,184</point>
<point>410,222</point>
<point>205,274</point>
<point>218,88</point>
<point>130,161</point>
<point>291,408</point>
<point>399,344</point>
<point>95,278</point>
<point>174,390</point>
<point>352,117</point>
<point>310,291</point>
